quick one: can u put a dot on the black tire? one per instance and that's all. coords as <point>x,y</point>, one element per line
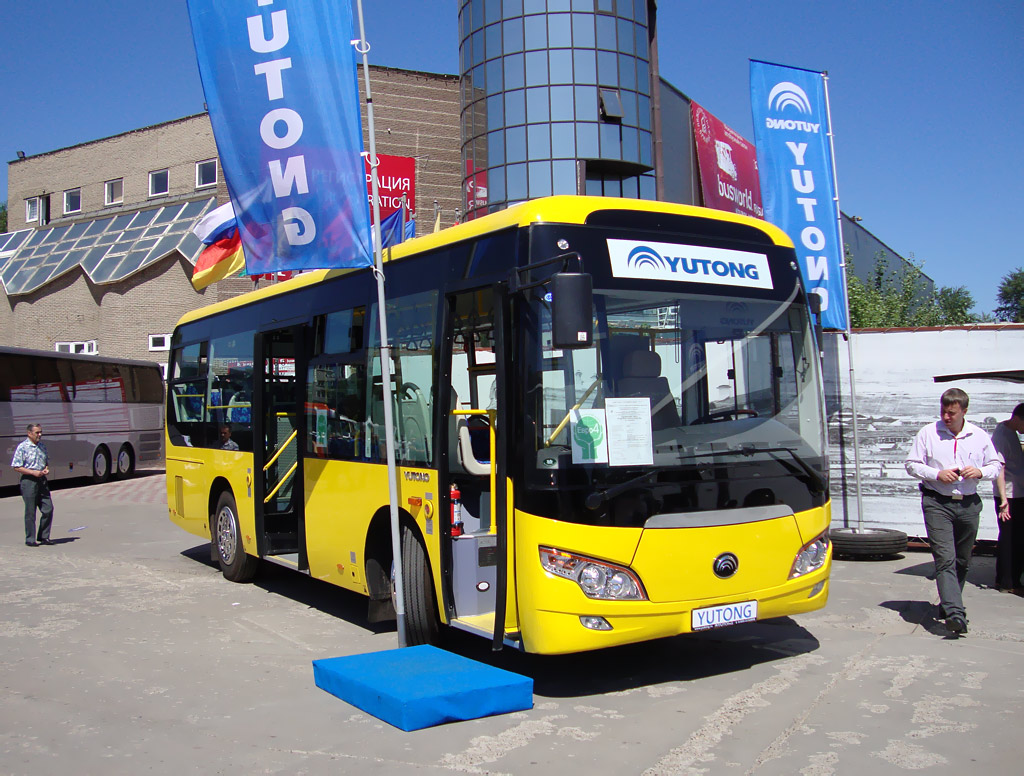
<point>234,563</point>
<point>867,542</point>
<point>422,625</point>
<point>125,462</point>
<point>101,464</point>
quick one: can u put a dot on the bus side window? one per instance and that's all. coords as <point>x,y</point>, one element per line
<point>186,397</point>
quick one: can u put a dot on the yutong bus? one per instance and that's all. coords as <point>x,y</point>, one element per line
<point>608,427</point>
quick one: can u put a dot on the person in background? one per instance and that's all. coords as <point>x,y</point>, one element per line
<point>226,442</point>
<point>1010,552</point>
<point>949,457</point>
<point>31,462</point>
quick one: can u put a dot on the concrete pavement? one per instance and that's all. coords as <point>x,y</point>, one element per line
<point>125,651</point>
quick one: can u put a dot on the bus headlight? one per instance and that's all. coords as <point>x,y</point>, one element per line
<point>811,557</point>
<point>596,578</point>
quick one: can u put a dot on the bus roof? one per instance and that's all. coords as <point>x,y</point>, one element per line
<point>4,351</point>
<point>559,210</point>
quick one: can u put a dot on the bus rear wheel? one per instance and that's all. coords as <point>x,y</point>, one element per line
<point>101,464</point>
<point>234,563</point>
<point>125,462</point>
<point>421,622</point>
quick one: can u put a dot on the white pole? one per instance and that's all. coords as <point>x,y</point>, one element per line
<point>846,301</point>
<point>385,348</point>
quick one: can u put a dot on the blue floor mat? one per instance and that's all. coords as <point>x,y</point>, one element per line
<point>421,686</point>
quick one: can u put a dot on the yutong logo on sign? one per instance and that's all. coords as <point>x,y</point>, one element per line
<point>788,95</point>
<point>689,263</point>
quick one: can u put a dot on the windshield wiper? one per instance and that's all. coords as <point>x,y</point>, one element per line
<point>597,498</point>
<point>816,480</point>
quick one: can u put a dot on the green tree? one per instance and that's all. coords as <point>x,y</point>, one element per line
<point>3,216</point>
<point>1011,297</point>
<point>890,298</point>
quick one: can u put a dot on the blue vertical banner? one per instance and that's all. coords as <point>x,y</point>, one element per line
<point>798,189</point>
<point>282,91</point>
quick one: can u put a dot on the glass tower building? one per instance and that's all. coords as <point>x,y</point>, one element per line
<point>556,99</point>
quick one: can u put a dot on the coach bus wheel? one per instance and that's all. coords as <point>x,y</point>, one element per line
<point>125,461</point>
<point>101,464</point>
<point>235,564</point>
<point>867,542</point>
<point>421,622</point>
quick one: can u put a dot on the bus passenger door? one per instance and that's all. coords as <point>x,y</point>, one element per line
<point>474,353</point>
<point>278,440</point>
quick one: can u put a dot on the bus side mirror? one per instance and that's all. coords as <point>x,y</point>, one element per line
<point>814,302</point>
<point>572,310</point>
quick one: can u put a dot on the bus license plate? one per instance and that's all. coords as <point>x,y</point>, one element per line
<point>726,614</point>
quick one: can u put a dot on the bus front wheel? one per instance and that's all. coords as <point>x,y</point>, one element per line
<point>421,622</point>
<point>234,563</point>
<point>101,464</point>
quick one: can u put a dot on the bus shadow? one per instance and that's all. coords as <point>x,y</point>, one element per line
<point>330,599</point>
<point>684,658</point>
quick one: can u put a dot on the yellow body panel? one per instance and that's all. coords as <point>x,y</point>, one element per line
<point>191,473</point>
<point>674,562</point>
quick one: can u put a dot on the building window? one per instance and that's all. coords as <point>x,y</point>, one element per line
<point>72,201</point>
<point>32,209</point>
<point>611,105</point>
<point>159,341</point>
<point>88,347</point>
<point>163,370</point>
<point>114,192</point>
<point>206,173</point>
<point>158,183</point>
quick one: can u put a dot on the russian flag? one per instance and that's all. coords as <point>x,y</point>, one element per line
<point>222,257</point>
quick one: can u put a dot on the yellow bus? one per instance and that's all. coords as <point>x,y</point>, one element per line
<point>607,415</point>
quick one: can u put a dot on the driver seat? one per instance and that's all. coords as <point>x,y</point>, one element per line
<point>641,371</point>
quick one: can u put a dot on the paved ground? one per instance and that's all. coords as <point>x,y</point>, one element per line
<point>125,652</point>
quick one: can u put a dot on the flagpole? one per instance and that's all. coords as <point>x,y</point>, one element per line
<point>385,348</point>
<point>846,301</point>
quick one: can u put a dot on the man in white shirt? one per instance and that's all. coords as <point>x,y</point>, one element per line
<point>950,456</point>
<point>1010,555</point>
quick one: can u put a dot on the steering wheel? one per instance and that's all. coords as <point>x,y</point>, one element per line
<point>720,415</point>
<point>409,391</point>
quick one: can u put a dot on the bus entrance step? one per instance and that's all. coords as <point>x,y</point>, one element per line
<point>418,687</point>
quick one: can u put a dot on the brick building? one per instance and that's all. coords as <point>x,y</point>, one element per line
<point>99,253</point>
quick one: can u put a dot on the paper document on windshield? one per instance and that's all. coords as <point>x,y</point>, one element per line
<point>630,440</point>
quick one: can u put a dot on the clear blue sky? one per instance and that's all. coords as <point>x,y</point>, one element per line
<point>927,97</point>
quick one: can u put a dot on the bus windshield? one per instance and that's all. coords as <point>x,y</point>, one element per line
<point>683,403</point>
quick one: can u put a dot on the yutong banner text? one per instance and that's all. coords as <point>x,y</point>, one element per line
<point>280,84</point>
<point>797,184</point>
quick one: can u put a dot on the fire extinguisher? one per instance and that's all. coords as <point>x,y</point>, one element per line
<point>456,497</point>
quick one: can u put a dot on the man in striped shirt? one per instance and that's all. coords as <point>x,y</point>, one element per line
<point>31,462</point>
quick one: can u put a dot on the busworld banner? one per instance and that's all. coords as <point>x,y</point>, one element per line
<point>396,176</point>
<point>728,165</point>
<point>281,88</point>
<point>797,184</point>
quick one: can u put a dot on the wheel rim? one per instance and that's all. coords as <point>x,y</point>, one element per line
<point>227,539</point>
<point>124,461</point>
<point>99,464</point>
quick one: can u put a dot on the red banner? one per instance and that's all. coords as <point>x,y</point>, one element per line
<point>728,166</point>
<point>476,191</point>
<point>396,175</point>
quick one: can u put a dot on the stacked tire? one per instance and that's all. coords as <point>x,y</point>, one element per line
<point>867,542</point>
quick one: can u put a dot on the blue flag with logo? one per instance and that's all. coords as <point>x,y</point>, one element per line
<point>282,92</point>
<point>798,191</point>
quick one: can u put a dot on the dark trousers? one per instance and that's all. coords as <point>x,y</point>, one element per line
<point>1010,553</point>
<point>952,527</point>
<point>36,492</point>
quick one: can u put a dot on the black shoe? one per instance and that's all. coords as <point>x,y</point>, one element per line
<point>47,542</point>
<point>957,624</point>
<point>31,544</point>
